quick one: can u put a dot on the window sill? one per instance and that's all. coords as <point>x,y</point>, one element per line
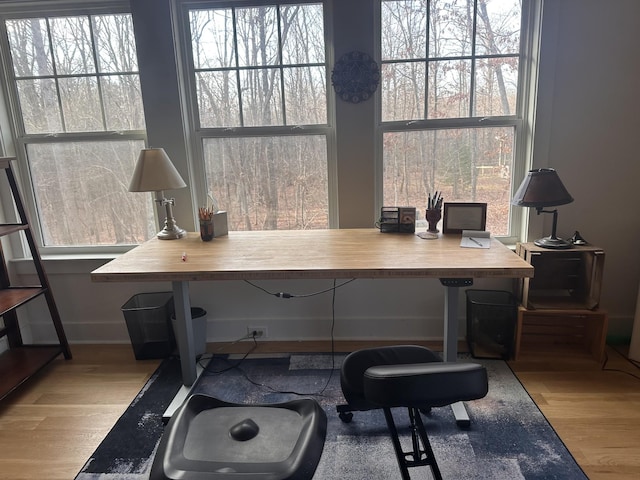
<point>63,264</point>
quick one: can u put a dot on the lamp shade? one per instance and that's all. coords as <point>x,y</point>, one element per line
<point>541,188</point>
<point>155,172</point>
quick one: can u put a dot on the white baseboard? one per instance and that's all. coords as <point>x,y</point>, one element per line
<point>228,330</point>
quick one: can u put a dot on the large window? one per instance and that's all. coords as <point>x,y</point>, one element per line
<point>246,107</point>
<point>450,110</point>
<point>258,77</point>
<point>78,118</point>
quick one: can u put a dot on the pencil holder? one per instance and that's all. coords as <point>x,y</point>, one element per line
<point>433,217</point>
<point>206,230</point>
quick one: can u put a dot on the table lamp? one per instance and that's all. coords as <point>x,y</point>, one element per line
<point>154,172</point>
<point>543,188</point>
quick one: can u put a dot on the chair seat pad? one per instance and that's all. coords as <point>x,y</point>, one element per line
<point>208,438</point>
<point>424,384</point>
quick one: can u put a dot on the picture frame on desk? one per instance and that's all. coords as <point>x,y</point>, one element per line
<point>459,216</point>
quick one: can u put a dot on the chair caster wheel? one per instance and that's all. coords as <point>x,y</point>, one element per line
<point>346,417</point>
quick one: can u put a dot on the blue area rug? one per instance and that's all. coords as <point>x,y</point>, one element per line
<point>509,438</point>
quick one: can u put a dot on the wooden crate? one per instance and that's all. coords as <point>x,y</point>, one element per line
<point>563,279</point>
<point>561,330</point>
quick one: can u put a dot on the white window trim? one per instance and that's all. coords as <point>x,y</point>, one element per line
<point>14,144</point>
<point>201,133</point>
<point>522,161</point>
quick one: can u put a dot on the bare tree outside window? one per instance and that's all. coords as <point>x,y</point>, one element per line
<point>263,69</point>
<point>77,75</point>
<point>268,185</point>
<point>453,61</point>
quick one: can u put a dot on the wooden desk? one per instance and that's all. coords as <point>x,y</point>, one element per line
<point>312,254</point>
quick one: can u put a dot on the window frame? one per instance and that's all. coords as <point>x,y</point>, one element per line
<point>17,144</point>
<point>522,120</point>
<point>199,133</point>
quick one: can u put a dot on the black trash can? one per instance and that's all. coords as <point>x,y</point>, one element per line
<point>148,318</point>
<point>199,319</point>
<point>491,323</point>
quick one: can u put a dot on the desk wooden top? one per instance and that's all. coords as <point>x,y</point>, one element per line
<point>296,254</point>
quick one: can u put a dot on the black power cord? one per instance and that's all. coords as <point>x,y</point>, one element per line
<point>205,361</point>
<point>303,295</point>
<point>631,361</point>
<point>237,365</point>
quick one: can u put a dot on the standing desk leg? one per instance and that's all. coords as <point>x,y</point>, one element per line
<point>451,345</point>
<point>451,323</point>
<point>184,332</point>
<point>184,338</point>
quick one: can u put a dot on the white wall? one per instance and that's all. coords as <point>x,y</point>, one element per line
<point>587,128</point>
<point>590,75</point>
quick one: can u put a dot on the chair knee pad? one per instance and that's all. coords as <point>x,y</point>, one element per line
<point>424,384</point>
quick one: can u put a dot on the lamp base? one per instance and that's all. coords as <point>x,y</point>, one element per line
<point>552,242</point>
<point>171,233</point>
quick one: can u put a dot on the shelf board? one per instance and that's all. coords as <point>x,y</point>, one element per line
<point>18,364</point>
<point>13,297</point>
<point>561,302</point>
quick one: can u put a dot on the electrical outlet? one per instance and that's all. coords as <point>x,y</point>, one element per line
<point>257,332</point>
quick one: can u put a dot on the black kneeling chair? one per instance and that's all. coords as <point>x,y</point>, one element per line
<point>208,438</point>
<point>407,376</point>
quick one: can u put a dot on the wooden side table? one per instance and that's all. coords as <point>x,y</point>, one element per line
<point>559,305</point>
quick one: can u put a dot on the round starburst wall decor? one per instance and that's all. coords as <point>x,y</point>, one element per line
<point>355,77</point>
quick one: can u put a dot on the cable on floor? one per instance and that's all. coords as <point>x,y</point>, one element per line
<point>631,361</point>
<point>237,365</point>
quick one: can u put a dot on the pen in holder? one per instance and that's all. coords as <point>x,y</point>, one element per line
<point>206,224</point>
<point>433,217</point>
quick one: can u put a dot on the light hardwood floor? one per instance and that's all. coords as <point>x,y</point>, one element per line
<point>594,408</point>
<point>52,424</point>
